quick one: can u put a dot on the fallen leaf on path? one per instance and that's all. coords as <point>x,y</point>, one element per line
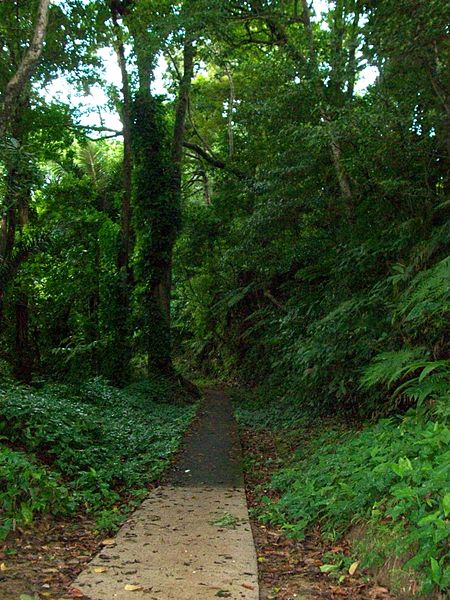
<point>353,567</point>
<point>76,593</point>
<point>337,591</point>
<point>133,588</point>
<point>100,569</point>
<point>378,590</point>
<point>109,542</point>
<point>247,586</point>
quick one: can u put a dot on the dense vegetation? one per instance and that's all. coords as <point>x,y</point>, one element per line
<point>72,448</point>
<point>384,483</point>
<point>280,217</point>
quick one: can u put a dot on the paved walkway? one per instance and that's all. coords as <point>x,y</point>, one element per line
<point>191,538</point>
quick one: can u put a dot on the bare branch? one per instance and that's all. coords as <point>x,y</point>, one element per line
<point>274,301</point>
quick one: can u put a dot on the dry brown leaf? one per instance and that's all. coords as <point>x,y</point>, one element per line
<point>337,591</point>
<point>109,542</point>
<point>353,567</point>
<point>133,588</point>
<point>100,569</point>
<point>3,567</point>
<point>76,593</point>
<point>378,590</point>
<point>247,586</point>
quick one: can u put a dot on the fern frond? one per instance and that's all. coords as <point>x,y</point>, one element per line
<point>428,295</point>
<point>389,367</point>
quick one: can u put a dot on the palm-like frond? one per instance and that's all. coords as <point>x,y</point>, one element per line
<point>93,159</point>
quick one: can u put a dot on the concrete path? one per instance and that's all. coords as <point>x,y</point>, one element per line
<point>191,538</point>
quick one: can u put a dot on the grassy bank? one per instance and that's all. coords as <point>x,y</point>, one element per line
<point>382,484</point>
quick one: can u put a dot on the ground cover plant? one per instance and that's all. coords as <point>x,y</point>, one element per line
<point>68,448</point>
<point>389,478</point>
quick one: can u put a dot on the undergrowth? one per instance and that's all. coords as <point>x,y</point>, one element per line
<point>68,448</point>
<point>389,476</point>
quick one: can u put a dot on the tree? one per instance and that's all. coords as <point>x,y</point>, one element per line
<point>20,79</point>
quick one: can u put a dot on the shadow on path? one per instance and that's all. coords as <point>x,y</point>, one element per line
<point>211,453</point>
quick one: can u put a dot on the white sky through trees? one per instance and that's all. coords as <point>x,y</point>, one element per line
<point>92,104</point>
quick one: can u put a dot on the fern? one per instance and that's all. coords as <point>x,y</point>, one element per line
<point>389,367</point>
<point>422,380</point>
<point>427,298</point>
<point>433,382</point>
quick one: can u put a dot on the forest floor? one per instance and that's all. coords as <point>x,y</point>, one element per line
<point>190,539</point>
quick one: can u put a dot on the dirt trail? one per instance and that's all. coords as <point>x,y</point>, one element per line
<point>191,538</point>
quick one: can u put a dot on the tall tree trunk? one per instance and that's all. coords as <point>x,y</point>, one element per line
<point>334,143</point>
<point>120,317</point>
<point>9,119</point>
<point>23,358</point>
<point>163,289</point>
<point>23,362</point>
<point>127,164</point>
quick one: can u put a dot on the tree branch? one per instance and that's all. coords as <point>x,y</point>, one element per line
<point>274,301</point>
<point>29,61</point>
<point>215,162</point>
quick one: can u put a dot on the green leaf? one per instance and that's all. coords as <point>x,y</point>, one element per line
<point>446,504</point>
<point>435,570</point>
<point>329,568</point>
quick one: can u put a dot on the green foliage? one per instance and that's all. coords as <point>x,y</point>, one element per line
<point>27,488</point>
<point>226,520</point>
<point>92,442</point>
<point>280,277</point>
<point>425,303</point>
<point>313,256</point>
<point>391,476</point>
<point>421,381</point>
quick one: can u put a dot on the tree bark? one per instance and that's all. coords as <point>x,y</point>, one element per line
<point>162,288</point>
<point>23,359</point>
<point>181,112</point>
<point>23,363</point>
<point>122,350</point>
<point>215,162</point>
